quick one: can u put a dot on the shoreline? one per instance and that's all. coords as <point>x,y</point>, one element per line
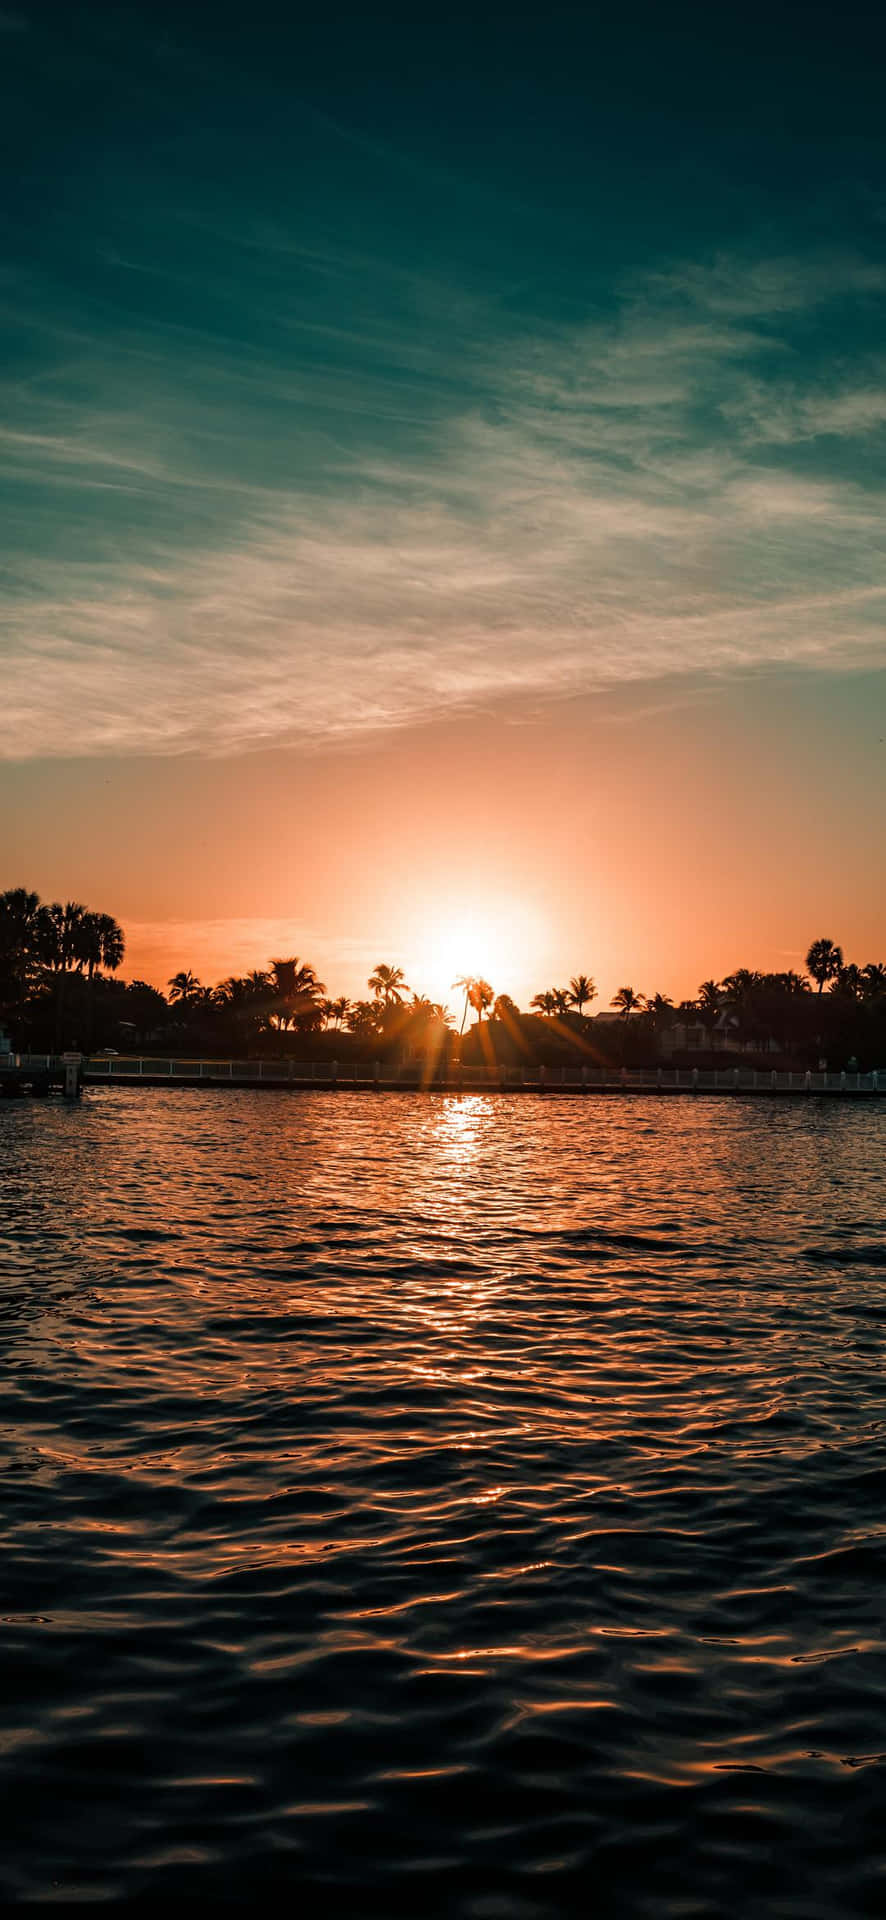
<point>759,1087</point>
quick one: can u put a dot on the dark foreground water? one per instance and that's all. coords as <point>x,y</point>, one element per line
<point>470,1507</point>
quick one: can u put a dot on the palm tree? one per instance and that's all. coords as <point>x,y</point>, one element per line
<point>234,991</point>
<point>21,927</point>
<point>659,1007</point>
<point>19,911</point>
<point>627,1002</point>
<point>364,1018</point>
<point>505,1009</point>
<point>874,977</point>
<point>207,999</point>
<point>464,984</point>
<point>582,990</point>
<point>296,991</point>
<point>738,985</point>
<point>183,987</point>
<point>65,935</point>
<point>545,1002</point>
<point>481,997</point>
<point>339,1009</point>
<point>112,942</point>
<point>824,961</point>
<point>388,984</point>
<point>850,981</point>
<point>100,943</point>
<point>90,944</point>
<point>65,941</point>
<point>788,982</point>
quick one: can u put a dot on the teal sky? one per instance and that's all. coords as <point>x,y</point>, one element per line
<point>370,376</point>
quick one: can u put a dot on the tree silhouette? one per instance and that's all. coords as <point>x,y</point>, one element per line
<point>739,985</point>
<point>388,984</point>
<point>582,991</point>
<point>183,987</point>
<point>545,1002</point>
<point>481,996</point>
<point>20,944</point>
<point>505,1009</point>
<point>50,950</point>
<point>823,962</point>
<point>296,991</point>
<point>850,982</point>
<point>463,984</point>
<point>364,1019</point>
<point>110,940</point>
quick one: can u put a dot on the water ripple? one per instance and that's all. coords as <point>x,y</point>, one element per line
<point>456,1506</point>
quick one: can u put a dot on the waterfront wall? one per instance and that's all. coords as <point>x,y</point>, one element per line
<point>148,1070</point>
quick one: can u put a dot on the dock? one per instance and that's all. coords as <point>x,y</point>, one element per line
<point>40,1075</point>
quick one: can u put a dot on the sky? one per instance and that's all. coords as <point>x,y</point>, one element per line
<point>442,478</point>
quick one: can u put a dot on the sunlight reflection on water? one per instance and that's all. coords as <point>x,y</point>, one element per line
<point>464,1505</point>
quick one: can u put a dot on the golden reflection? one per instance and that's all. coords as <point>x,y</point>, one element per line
<point>458,1125</point>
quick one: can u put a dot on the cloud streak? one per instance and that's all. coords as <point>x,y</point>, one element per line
<point>275,554</point>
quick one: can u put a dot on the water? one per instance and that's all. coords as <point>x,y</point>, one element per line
<point>470,1507</point>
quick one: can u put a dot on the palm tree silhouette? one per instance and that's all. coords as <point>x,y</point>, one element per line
<point>21,925</point>
<point>582,990</point>
<point>66,946</point>
<point>388,984</point>
<point>505,1009</point>
<point>296,990</point>
<point>545,1002</point>
<point>113,942</point>
<point>182,988</point>
<point>738,985</point>
<point>850,981</point>
<point>481,996</point>
<point>627,1001</point>
<point>464,984</point>
<point>824,961</point>
<point>99,943</point>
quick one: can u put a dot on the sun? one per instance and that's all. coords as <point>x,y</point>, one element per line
<point>486,942</point>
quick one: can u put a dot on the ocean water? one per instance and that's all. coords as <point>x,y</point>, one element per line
<point>467,1507</point>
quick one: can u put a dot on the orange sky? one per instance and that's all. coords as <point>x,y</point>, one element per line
<point>654,836</point>
<point>444,524</point>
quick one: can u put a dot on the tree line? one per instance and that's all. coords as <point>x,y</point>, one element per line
<point>59,985</point>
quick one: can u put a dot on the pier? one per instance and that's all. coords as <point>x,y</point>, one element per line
<point>419,1076</point>
<point>40,1075</point>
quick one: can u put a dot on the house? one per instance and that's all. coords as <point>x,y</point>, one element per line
<point>723,1036</point>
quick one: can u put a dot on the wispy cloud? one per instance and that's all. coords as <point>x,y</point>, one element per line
<point>283,551</point>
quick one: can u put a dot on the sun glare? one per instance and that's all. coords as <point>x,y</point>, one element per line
<point>492,942</point>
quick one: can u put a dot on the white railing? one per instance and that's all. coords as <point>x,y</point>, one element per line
<point>368,1073</point>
